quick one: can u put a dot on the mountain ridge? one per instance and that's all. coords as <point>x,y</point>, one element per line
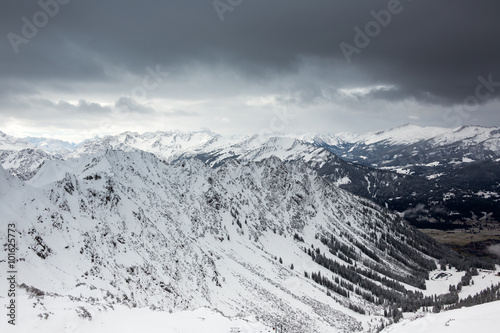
<point>128,228</point>
<point>439,172</point>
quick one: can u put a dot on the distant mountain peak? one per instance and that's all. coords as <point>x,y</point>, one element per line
<point>404,134</point>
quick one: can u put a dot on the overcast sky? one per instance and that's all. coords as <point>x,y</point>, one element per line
<point>74,69</point>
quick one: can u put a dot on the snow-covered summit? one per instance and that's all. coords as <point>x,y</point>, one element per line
<point>471,135</point>
<point>394,148</point>
<point>51,146</point>
<point>166,145</point>
<point>8,142</point>
<point>405,134</point>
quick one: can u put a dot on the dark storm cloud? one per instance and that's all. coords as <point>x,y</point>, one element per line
<point>434,52</point>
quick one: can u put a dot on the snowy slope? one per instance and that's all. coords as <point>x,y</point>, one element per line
<point>60,314</point>
<point>127,228</point>
<point>479,318</point>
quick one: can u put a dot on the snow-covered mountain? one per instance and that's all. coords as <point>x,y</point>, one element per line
<point>23,163</point>
<point>406,146</point>
<point>410,146</point>
<point>52,146</point>
<point>166,145</point>
<point>23,157</point>
<point>444,175</point>
<point>242,238</point>
<point>388,149</point>
<point>453,175</point>
<point>8,142</point>
<point>254,229</point>
<point>48,145</point>
<point>20,157</point>
<point>213,148</point>
<point>405,134</point>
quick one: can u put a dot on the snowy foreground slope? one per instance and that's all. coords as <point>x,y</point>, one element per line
<point>125,234</point>
<point>479,318</point>
<point>63,318</point>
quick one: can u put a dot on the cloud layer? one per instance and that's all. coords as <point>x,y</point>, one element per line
<point>431,62</point>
